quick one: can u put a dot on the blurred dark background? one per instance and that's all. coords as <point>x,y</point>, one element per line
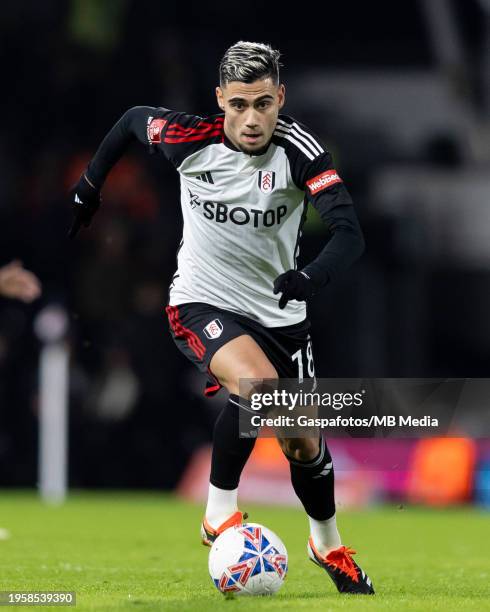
<point>399,92</point>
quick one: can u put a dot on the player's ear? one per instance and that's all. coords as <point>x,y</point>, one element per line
<point>220,98</point>
<point>281,95</point>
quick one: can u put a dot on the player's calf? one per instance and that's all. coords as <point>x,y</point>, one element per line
<point>299,449</point>
<point>229,456</point>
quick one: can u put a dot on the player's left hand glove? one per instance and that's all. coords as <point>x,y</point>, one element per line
<point>294,285</point>
<point>86,202</point>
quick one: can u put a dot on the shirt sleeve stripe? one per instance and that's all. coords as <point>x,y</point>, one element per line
<point>298,136</point>
<point>314,144</point>
<point>296,142</point>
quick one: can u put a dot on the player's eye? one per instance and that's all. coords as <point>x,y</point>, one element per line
<point>264,104</point>
<point>237,105</point>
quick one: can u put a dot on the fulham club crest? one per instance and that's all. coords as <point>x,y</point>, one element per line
<point>267,180</point>
<point>213,330</point>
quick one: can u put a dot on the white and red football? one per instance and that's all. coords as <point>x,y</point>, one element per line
<point>248,559</point>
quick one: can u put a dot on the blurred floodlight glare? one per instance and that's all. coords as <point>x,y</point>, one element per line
<point>51,323</point>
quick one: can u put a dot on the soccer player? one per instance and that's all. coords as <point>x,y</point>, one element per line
<point>237,300</point>
<point>18,283</point>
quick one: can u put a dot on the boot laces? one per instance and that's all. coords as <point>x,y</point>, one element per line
<point>341,559</point>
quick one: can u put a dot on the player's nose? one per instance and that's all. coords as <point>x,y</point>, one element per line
<point>251,120</point>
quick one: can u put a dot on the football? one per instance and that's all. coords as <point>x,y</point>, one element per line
<point>248,559</point>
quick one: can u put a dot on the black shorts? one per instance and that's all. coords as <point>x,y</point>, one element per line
<point>199,330</point>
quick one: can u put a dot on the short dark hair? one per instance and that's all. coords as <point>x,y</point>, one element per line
<point>248,62</point>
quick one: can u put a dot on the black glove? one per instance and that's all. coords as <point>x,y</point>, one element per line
<point>85,201</point>
<point>294,286</point>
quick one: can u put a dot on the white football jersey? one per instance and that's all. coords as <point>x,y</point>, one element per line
<point>242,213</point>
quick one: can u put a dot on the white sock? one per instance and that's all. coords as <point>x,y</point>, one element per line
<point>221,505</point>
<point>325,534</point>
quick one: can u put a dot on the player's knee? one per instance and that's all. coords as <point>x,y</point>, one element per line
<point>256,379</point>
<point>299,449</point>
<point>252,379</point>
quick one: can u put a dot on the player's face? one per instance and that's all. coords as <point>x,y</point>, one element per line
<point>251,111</point>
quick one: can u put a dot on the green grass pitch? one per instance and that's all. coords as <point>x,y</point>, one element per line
<point>136,551</point>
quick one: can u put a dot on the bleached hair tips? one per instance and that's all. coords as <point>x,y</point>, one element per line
<point>248,62</point>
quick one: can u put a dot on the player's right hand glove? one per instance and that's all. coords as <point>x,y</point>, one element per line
<point>85,201</point>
